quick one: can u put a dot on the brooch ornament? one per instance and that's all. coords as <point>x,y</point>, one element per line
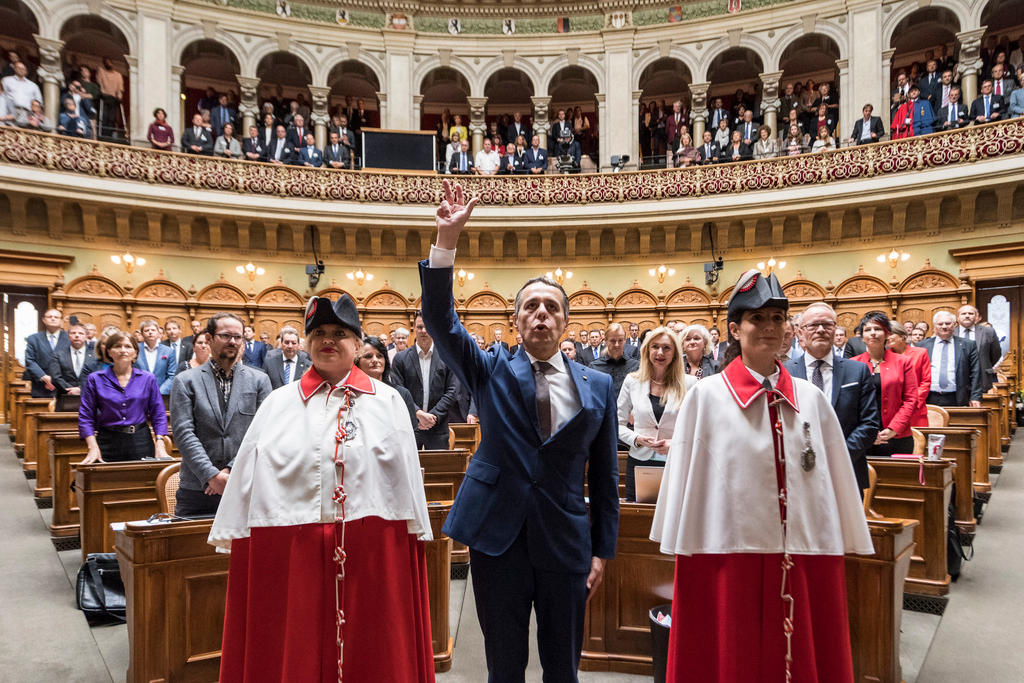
<point>807,455</point>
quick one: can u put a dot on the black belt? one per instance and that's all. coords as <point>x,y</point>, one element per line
<point>125,429</point>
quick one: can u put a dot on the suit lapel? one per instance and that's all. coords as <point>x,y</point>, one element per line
<point>520,365</point>
<point>211,390</point>
<point>434,360</point>
<point>837,378</point>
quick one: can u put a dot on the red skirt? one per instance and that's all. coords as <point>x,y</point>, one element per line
<point>280,615</point>
<point>727,615</point>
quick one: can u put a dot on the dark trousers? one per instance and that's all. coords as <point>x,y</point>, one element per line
<point>946,399</point>
<point>506,588</point>
<point>192,503</point>
<point>434,439</point>
<point>631,465</point>
<point>885,450</point>
<point>116,446</point>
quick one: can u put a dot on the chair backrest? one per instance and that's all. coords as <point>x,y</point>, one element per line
<point>869,495</point>
<point>920,441</point>
<point>938,416</point>
<point>451,438</point>
<point>167,487</point>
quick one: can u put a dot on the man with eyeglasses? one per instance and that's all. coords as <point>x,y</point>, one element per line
<point>211,409</point>
<point>846,383</point>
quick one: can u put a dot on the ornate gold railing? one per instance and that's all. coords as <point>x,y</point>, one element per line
<point>171,168</point>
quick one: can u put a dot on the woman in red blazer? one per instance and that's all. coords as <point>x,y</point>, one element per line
<point>922,366</point>
<point>895,383</point>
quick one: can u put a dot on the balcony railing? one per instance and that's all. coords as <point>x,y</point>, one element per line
<point>41,150</point>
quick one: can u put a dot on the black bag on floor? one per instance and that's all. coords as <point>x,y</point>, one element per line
<point>955,555</point>
<point>99,590</point>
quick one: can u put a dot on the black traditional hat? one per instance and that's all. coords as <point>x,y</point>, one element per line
<point>753,291</point>
<point>322,311</point>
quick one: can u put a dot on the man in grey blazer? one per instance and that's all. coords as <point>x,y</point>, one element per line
<point>211,409</point>
<point>985,338</point>
<point>287,364</point>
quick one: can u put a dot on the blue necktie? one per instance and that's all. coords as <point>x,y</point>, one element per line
<point>462,161</point>
<point>944,365</point>
<point>986,106</point>
<point>287,371</point>
<point>53,341</point>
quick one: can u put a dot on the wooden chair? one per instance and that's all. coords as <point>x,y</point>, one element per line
<point>938,416</point>
<point>869,495</point>
<point>920,441</point>
<point>451,439</point>
<point>167,487</point>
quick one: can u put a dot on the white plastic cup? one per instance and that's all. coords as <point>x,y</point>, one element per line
<point>936,442</point>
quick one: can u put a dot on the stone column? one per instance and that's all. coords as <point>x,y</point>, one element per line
<point>865,57</point>
<point>970,62</point>
<point>620,122</point>
<point>634,145</point>
<point>770,101</point>
<point>149,78</point>
<point>417,112</point>
<point>846,102</point>
<point>885,101</point>
<point>319,113</point>
<point>477,122</point>
<point>398,84</point>
<point>382,103</point>
<point>51,74</point>
<point>137,124</point>
<point>541,125</point>
<point>603,152</point>
<point>248,104</point>
<point>699,110</point>
<point>176,113</point>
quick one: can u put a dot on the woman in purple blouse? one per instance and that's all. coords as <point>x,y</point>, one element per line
<point>117,403</point>
<point>160,134</point>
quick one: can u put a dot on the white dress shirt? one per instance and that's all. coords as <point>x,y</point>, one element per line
<point>424,357</point>
<point>826,372</point>
<point>151,357</point>
<point>865,129</point>
<point>968,333</point>
<point>937,350</point>
<point>565,403</point>
<point>21,91</point>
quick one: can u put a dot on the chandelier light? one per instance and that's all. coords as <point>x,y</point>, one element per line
<point>250,270</point>
<point>766,267</point>
<point>661,272</point>
<point>893,258</point>
<point>559,275</point>
<point>359,276</point>
<point>464,276</point>
<point>127,260</point>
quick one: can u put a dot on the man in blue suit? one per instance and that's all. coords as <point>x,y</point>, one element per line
<point>40,349</point>
<point>846,382</point>
<point>309,155</point>
<point>156,358</point>
<point>254,352</point>
<point>521,509</point>
<point>536,157</point>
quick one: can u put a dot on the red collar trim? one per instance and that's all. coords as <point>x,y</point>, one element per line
<point>744,388</point>
<point>357,380</point>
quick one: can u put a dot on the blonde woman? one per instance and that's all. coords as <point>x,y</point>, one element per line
<point>650,399</point>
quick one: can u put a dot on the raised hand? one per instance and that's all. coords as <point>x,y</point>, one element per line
<point>452,215</point>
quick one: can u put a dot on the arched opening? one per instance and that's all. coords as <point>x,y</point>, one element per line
<point>354,87</point>
<point>662,83</point>
<point>211,70</point>
<point>284,86</point>
<point>444,91</point>
<point>575,87</point>
<point>508,92</point>
<point>735,84</point>
<point>926,33</point>
<point>807,64</point>
<point>20,24</point>
<point>94,51</point>
<point>1004,35</point>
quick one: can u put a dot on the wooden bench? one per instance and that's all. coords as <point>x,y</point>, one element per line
<point>175,586</point>
<point>900,495</point>
<point>466,436</point>
<point>38,428</point>
<point>18,396</point>
<point>447,469</point>
<point>29,406</point>
<point>617,627</point>
<point>1000,430</point>
<point>66,450</point>
<point>13,388</point>
<point>980,419</point>
<point>961,445</point>
<point>114,492</point>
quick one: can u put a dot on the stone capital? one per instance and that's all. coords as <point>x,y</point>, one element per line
<point>318,96</point>
<point>49,51</point>
<point>699,99</point>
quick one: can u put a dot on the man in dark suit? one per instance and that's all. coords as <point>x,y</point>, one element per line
<point>297,133</point>
<point>287,364</point>
<point>309,155</point>
<point>221,115</point>
<point>675,122</point>
<point>517,128</point>
<point>867,129</point>
<point>577,345</point>
<point>955,114</point>
<point>39,350</point>
<point>536,157</point>
<point>549,424</point>
<point>346,134</point>
<point>462,161</point>
<point>432,385</point>
<point>847,384</point>
<point>842,344</point>
<point>854,345</point>
<point>987,107</point>
<point>985,338</point>
<point>253,148</point>
<point>716,114</point>
<point>563,141</point>
<point>498,334</point>
<point>197,139</point>
<point>931,85</point>
<point>336,155</point>
<point>254,352</point>
<point>748,129</point>
<point>1002,82</point>
<point>181,350</point>
<point>208,428</point>
<point>69,366</point>
<point>614,361</point>
<point>515,347</point>
<point>708,152</point>
<point>956,372</point>
<point>281,150</point>
<point>633,341</point>
<point>593,350</point>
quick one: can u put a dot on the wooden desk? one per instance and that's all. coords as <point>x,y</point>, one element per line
<point>175,586</point>
<point>981,419</point>
<point>13,388</point>
<point>18,397</point>
<point>446,467</point>
<point>1004,389</point>
<point>961,444</point>
<point>900,494</point>
<point>617,629</point>
<point>66,450</point>
<point>114,492</point>
<point>1001,431</point>
<point>29,406</point>
<point>38,428</point>
<point>466,435</point>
